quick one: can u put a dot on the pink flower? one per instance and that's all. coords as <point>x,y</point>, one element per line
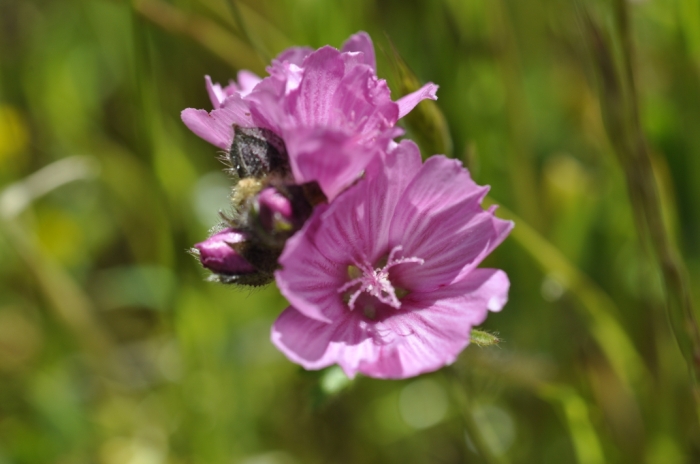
<point>328,106</point>
<point>383,281</point>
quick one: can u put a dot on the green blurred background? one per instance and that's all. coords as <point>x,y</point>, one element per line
<point>113,348</point>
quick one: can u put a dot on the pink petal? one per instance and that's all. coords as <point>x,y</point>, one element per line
<point>442,183</point>
<point>398,166</point>
<point>428,334</point>
<point>361,42</point>
<point>436,325</point>
<point>216,93</point>
<point>451,248</point>
<point>472,296</point>
<point>294,55</point>
<point>329,143</point>
<point>207,127</point>
<point>500,230</point>
<point>330,157</point>
<point>363,102</point>
<point>311,103</point>
<point>267,100</point>
<point>439,219</point>
<point>362,219</point>
<point>216,127</point>
<point>314,262</point>
<point>315,345</point>
<point>308,279</point>
<point>265,104</point>
<point>408,102</point>
<point>247,81</point>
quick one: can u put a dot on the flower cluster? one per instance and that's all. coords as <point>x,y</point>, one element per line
<point>376,251</point>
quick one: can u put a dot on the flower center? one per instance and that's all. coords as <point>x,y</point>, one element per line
<point>375,282</point>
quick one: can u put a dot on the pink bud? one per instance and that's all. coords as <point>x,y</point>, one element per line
<point>217,254</point>
<point>275,210</point>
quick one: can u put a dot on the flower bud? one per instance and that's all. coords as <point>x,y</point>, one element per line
<point>218,255</point>
<point>275,211</point>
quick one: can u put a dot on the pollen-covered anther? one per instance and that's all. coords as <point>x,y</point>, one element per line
<point>376,282</point>
<point>245,189</point>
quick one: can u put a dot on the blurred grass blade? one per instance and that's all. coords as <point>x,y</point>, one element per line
<point>583,435</point>
<point>70,303</point>
<point>598,306</point>
<point>620,110</point>
<point>207,33</point>
<point>527,373</point>
<point>521,162</point>
<point>251,38</point>
<point>476,435</point>
<point>690,24</point>
<point>426,122</point>
<point>16,197</point>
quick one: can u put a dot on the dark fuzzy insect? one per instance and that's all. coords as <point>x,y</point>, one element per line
<point>256,152</point>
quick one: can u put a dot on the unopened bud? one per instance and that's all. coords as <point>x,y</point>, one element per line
<point>275,211</point>
<point>482,338</point>
<point>218,255</point>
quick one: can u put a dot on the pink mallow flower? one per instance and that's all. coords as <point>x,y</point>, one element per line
<point>384,280</point>
<point>328,106</point>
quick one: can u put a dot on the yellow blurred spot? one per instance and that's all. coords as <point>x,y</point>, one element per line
<point>565,179</point>
<point>61,236</point>
<point>14,134</point>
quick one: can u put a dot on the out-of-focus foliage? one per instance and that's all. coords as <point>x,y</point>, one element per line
<point>113,348</point>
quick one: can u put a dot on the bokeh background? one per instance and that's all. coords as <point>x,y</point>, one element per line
<point>113,348</point>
